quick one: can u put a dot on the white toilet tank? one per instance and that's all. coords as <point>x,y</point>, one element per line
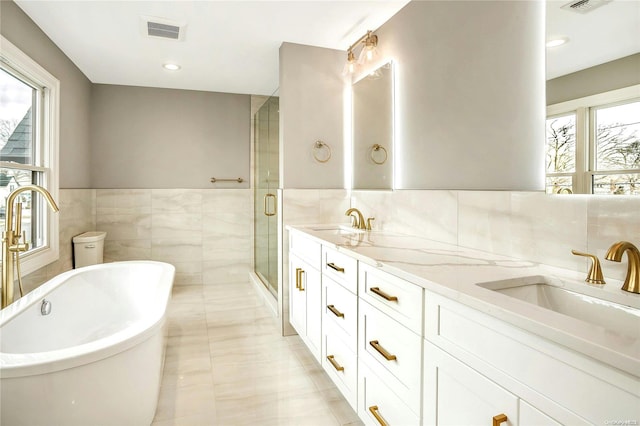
<point>88,248</point>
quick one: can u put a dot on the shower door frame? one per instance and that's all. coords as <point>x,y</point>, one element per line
<point>266,209</point>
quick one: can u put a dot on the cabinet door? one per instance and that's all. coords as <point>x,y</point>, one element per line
<point>297,296</point>
<point>455,394</point>
<point>311,286</point>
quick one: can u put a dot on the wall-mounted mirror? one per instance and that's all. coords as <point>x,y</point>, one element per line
<point>373,130</point>
<point>593,98</point>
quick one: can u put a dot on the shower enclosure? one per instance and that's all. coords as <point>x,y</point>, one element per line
<point>266,184</point>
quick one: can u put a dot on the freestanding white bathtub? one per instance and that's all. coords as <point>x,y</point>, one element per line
<point>86,347</point>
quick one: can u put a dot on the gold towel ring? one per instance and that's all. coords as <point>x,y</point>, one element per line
<point>375,148</point>
<point>318,145</point>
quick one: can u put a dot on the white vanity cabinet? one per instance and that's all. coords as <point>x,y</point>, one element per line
<point>305,291</point>
<point>477,367</point>
<point>455,394</point>
<point>403,354</point>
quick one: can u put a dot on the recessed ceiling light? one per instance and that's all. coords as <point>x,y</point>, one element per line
<point>171,67</point>
<point>557,41</point>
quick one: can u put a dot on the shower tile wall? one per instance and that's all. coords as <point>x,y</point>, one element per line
<point>206,234</point>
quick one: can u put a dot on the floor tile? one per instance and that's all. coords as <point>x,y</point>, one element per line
<point>227,364</point>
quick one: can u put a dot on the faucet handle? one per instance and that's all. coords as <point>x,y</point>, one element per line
<point>369,220</point>
<point>18,246</point>
<point>595,272</point>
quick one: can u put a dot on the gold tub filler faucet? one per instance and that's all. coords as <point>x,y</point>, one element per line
<point>11,245</point>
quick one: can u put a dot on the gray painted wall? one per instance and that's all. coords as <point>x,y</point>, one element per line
<point>470,94</point>
<point>164,138</point>
<point>311,108</point>
<point>612,75</point>
<point>75,92</point>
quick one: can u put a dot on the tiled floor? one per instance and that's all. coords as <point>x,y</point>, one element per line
<point>227,364</point>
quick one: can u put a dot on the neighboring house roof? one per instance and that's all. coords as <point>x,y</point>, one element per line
<point>18,147</point>
<point>5,180</point>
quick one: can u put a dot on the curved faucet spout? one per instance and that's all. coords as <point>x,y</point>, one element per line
<point>615,252</point>
<point>11,237</point>
<point>359,218</point>
<point>12,197</point>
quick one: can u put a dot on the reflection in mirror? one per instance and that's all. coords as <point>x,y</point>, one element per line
<point>593,98</point>
<point>373,130</point>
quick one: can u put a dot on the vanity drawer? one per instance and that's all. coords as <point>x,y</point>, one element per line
<point>341,363</point>
<point>391,350</point>
<point>340,308</point>
<point>305,248</point>
<point>392,295</point>
<point>375,396</point>
<point>342,268</point>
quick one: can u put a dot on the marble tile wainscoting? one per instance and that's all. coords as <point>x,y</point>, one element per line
<point>206,234</point>
<point>77,215</point>
<point>528,225</point>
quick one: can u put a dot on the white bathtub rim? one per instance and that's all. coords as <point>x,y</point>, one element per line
<point>33,364</point>
<point>29,364</point>
<point>35,296</point>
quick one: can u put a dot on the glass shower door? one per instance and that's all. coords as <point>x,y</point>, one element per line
<point>265,202</point>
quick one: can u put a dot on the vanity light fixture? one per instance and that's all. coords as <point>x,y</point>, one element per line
<point>171,66</point>
<point>369,42</point>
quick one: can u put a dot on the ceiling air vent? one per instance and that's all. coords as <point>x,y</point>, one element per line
<point>584,6</point>
<point>162,28</point>
<point>156,29</point>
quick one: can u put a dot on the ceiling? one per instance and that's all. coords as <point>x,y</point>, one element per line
<point>609,32</point>
<point>232,46</point>
<point>229,46</point>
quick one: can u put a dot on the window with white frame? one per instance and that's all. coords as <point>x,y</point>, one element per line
<point>29,149</point>
<point>593,144</point>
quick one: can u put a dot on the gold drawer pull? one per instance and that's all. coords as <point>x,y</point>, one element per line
<point>374,411</point>
<point>299,279</point>
<point>384,295</point>
<point>335,311</point>
<point>335,267</point>
<point>298,270</point>
<point>499,419</point>
<point>382,351</point>
<point>335,363</point>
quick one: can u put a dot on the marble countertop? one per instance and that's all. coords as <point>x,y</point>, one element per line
<point>454,272</point>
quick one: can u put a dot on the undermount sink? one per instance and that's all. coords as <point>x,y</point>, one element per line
<point>339,229</point>
<point>616,312</point>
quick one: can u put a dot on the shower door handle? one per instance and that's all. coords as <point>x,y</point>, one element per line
<point>266,213</point>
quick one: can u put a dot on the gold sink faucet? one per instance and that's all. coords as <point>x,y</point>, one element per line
<point>615,252</point>
<point>11,237</point>
<point>358,218</point>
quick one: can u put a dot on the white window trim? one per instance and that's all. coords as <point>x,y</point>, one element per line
<point>582,107</point>
<point>16,59</point>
